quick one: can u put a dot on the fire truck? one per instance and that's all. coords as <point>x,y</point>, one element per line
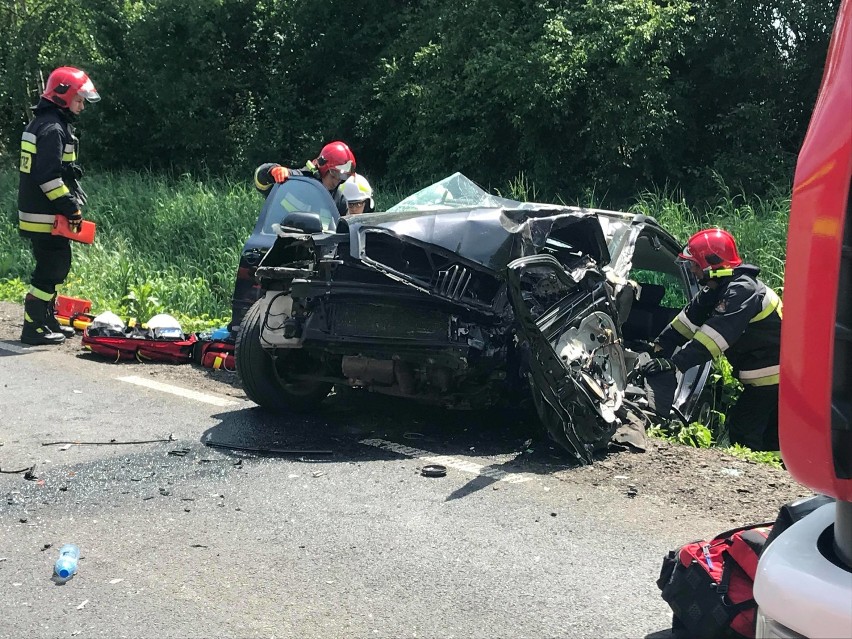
<point>804,582</point>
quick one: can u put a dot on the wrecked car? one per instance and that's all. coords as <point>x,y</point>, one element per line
<point>463,299</point>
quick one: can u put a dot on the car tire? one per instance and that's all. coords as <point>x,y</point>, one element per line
<point>257,371</point>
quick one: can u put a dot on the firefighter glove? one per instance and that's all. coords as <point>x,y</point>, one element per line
<point>279,174</point>
<point>657,366</point>
<point>75,220</point>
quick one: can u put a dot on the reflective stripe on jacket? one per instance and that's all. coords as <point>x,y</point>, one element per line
<point>740,319</point>
<point>47,185</point>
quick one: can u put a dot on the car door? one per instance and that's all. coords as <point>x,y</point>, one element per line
<point>570,351</point>
<point>645,253</point>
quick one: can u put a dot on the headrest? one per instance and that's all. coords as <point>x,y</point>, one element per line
<point>651,295</point>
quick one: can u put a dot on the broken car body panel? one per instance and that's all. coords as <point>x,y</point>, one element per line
<point>463,299</point>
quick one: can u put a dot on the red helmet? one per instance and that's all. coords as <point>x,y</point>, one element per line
<point>336,155</point>
<point>66,82</point>
<point>711,250</point>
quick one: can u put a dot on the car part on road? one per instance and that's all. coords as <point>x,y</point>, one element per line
<point>433,470</point>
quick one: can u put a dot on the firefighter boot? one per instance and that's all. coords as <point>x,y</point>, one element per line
<point>36,331</point>
<point>53,324</point>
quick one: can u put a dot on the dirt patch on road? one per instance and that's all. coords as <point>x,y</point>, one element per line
<point>706,480</point>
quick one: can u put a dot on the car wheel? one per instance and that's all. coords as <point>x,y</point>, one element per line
<point>260,376</point>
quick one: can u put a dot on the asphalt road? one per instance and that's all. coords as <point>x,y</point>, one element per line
<point>182,540</point>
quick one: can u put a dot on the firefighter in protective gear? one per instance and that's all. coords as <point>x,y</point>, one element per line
<point>48,187</point>
<point>358,194</point>
<point>736,315</point>
<point>334,164</point>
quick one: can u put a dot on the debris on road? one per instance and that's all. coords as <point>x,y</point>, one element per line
<point>111,442</point>
<point>433,470</point>
<point>115,581</point>
<point>83,605</point>
<point>16,472</point>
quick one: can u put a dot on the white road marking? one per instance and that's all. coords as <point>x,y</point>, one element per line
<point>13,349</point>
<point>447,460</point>
<point>177,390</point>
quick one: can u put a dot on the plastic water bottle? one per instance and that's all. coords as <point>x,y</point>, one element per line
<point>66,565</point>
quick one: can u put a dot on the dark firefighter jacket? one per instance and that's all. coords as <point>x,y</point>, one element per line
<point>263,181</point>
<point>740,319</point>
<point>48,171</point>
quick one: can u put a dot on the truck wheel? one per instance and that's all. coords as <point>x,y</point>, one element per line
<point>259,373</point>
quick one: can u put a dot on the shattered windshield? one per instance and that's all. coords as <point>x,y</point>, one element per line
<point>454,192</point>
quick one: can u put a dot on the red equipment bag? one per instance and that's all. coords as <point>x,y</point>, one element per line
<point>708,584</point>
<point>217,354</point>
<point>139,346</point>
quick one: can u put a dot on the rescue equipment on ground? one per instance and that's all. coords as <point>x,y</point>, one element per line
<point>216,353</point>
<point>73,311</point>
<point>137,344</point>
<point>85,234</point>
<point>708,584</point>
<point>164,326</point>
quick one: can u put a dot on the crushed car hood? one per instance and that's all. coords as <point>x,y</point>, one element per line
<point>491,237</point>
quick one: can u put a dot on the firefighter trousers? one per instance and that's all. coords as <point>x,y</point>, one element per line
<point>53,262</point>
<point>753,420</point>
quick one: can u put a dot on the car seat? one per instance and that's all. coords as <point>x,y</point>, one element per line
<point>647,318</point>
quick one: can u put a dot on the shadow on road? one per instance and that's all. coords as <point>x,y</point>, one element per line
<point>342,421</point>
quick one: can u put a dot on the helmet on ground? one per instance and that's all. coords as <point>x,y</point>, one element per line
<point>338,156</point>
<point>108,324</point>
<point>358,189</point>
<point>164,326</point>
<point>66,82</point>
<point>712,250</point>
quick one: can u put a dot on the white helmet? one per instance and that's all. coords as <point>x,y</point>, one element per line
<point>107,323</point>
<point>358,189</point>
<point>164,326</point>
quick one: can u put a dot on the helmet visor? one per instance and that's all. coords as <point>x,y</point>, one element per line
<point>88,91</point>
<point>90,96</point>
<point>343,171</point>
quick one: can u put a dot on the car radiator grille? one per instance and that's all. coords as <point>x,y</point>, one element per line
<point>389,322</point>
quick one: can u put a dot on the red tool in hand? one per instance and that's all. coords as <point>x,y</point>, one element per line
<point>85,233</point>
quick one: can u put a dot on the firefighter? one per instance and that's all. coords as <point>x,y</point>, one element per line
<point>334,164</point>
<point>736,315</point>
<point>358,194</point>
<point>48,187</point>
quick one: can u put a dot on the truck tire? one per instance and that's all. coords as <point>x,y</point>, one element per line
<point>259,375</point>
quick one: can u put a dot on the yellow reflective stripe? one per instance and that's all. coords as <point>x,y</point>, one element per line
<point>708,343</point>
<point>771,301</point>
<point>40,294</point>
<point>722,272</point>
<point>35,227</point>
<point>69,157</point>
<point>769,380</point>
<point>258,183</point>
<point>217,362</point>
<point>682,328</point>
<point>57,193</point>
<point>29,147</point>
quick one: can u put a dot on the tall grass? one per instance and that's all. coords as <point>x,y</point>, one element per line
<point>178,239</point>
<point>759,225</point>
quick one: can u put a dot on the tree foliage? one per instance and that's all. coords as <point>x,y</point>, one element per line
<point>611,95</point>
